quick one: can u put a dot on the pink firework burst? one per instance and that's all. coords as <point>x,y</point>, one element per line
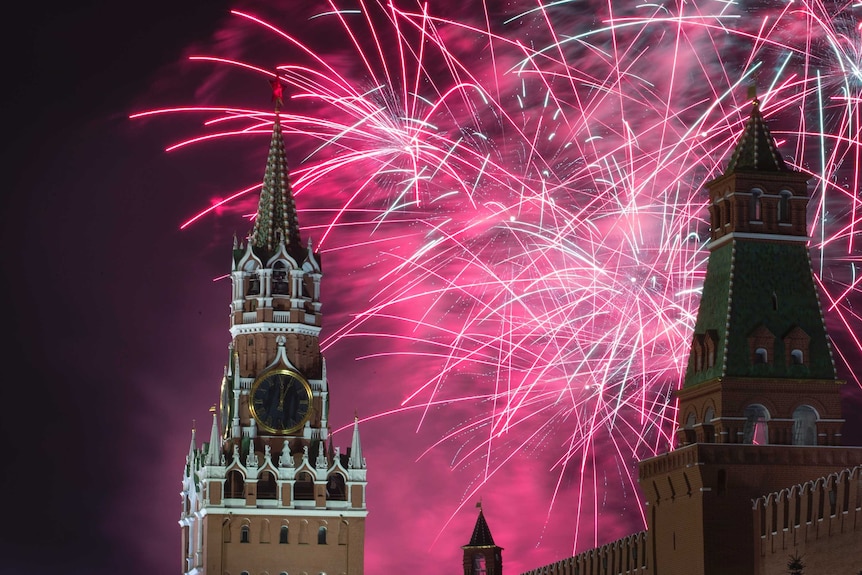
<point>523,183</point>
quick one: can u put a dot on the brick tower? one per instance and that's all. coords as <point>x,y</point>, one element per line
<point>482,556</point>
<point>269,493</point>
<point>760,408</point>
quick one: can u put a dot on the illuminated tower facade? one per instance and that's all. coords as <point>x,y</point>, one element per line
<point>759,409</point>
<point>482,556</point>
<point>269,493</point>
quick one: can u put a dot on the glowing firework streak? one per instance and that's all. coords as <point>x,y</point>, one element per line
<point>532,177</point>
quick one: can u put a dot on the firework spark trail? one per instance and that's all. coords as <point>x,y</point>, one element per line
<point>539,171</point>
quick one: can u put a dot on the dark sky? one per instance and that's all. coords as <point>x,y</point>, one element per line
<point>102,293</point>
<point>85,272</point>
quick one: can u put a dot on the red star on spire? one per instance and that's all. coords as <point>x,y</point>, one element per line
<point>277,92</point>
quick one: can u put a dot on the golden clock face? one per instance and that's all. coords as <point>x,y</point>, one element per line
<point>280,401</point>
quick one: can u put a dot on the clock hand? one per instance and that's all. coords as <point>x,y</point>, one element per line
<point>281,397</point>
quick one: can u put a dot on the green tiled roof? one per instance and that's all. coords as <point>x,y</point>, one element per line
<point>761,283</point>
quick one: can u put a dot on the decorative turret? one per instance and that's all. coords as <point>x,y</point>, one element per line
<point>356,460</point>
<point>214,450</point>
<point>482,556</point>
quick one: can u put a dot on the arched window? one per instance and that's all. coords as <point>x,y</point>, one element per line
<point>234,485</point>
<point>479,566</point>
<point>784,207</point>
<point>244,534</point>
<point>280,279</point>
<point>321,536</point>
<point>335,488</point>
<point>709,415</point>
<point>688,431</point>
<point>710,342</point>
<point>253,284</point>
<point>303,489</point>
<point>756,431</point>
<point>761,355</point>
<point>804,425</point>
<point>282,535</point>
<point>755,208</point>
<point>267,488</point>
<point>796,357</point>
<point>697,351</point>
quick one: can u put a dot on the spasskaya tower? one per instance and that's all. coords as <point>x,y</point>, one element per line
<point>269,492</point>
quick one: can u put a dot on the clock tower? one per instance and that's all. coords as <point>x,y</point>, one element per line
<point>269,492</point>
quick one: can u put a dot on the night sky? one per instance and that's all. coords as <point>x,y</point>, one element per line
<point>116,333</point>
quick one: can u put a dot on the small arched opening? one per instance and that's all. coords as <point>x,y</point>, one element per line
<point>303,489</point>
<point>784,207</point>
<point>335,487</point>
<point>480,566</point>
<point>755,207</point>
<point>756,431</point>
<point>280,279</point>
<point>235,485</point>
<point>267,488</point>
<point>804,425</point>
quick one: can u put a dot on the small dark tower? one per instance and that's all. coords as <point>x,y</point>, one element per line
<point>481,555</point>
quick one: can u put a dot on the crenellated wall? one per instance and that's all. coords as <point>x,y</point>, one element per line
<point>819,521</point>
<point>624,556</point>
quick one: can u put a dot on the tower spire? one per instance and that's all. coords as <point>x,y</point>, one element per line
<point>356,460</point>
<point>190,458</point>
<point>276,220</point>
<point>756,149</point>
<point>481,532</point>
<point>213,455</point>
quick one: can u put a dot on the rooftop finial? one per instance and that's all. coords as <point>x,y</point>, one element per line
<point>277,92</point>
<point>752,93</point>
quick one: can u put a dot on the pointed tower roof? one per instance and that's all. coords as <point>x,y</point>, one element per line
<point>756,149</point>
<point>214,453</point>
<point>481,533</point>
<point>356,460</point>
<point>276,218</point>
<point>192,445</point>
